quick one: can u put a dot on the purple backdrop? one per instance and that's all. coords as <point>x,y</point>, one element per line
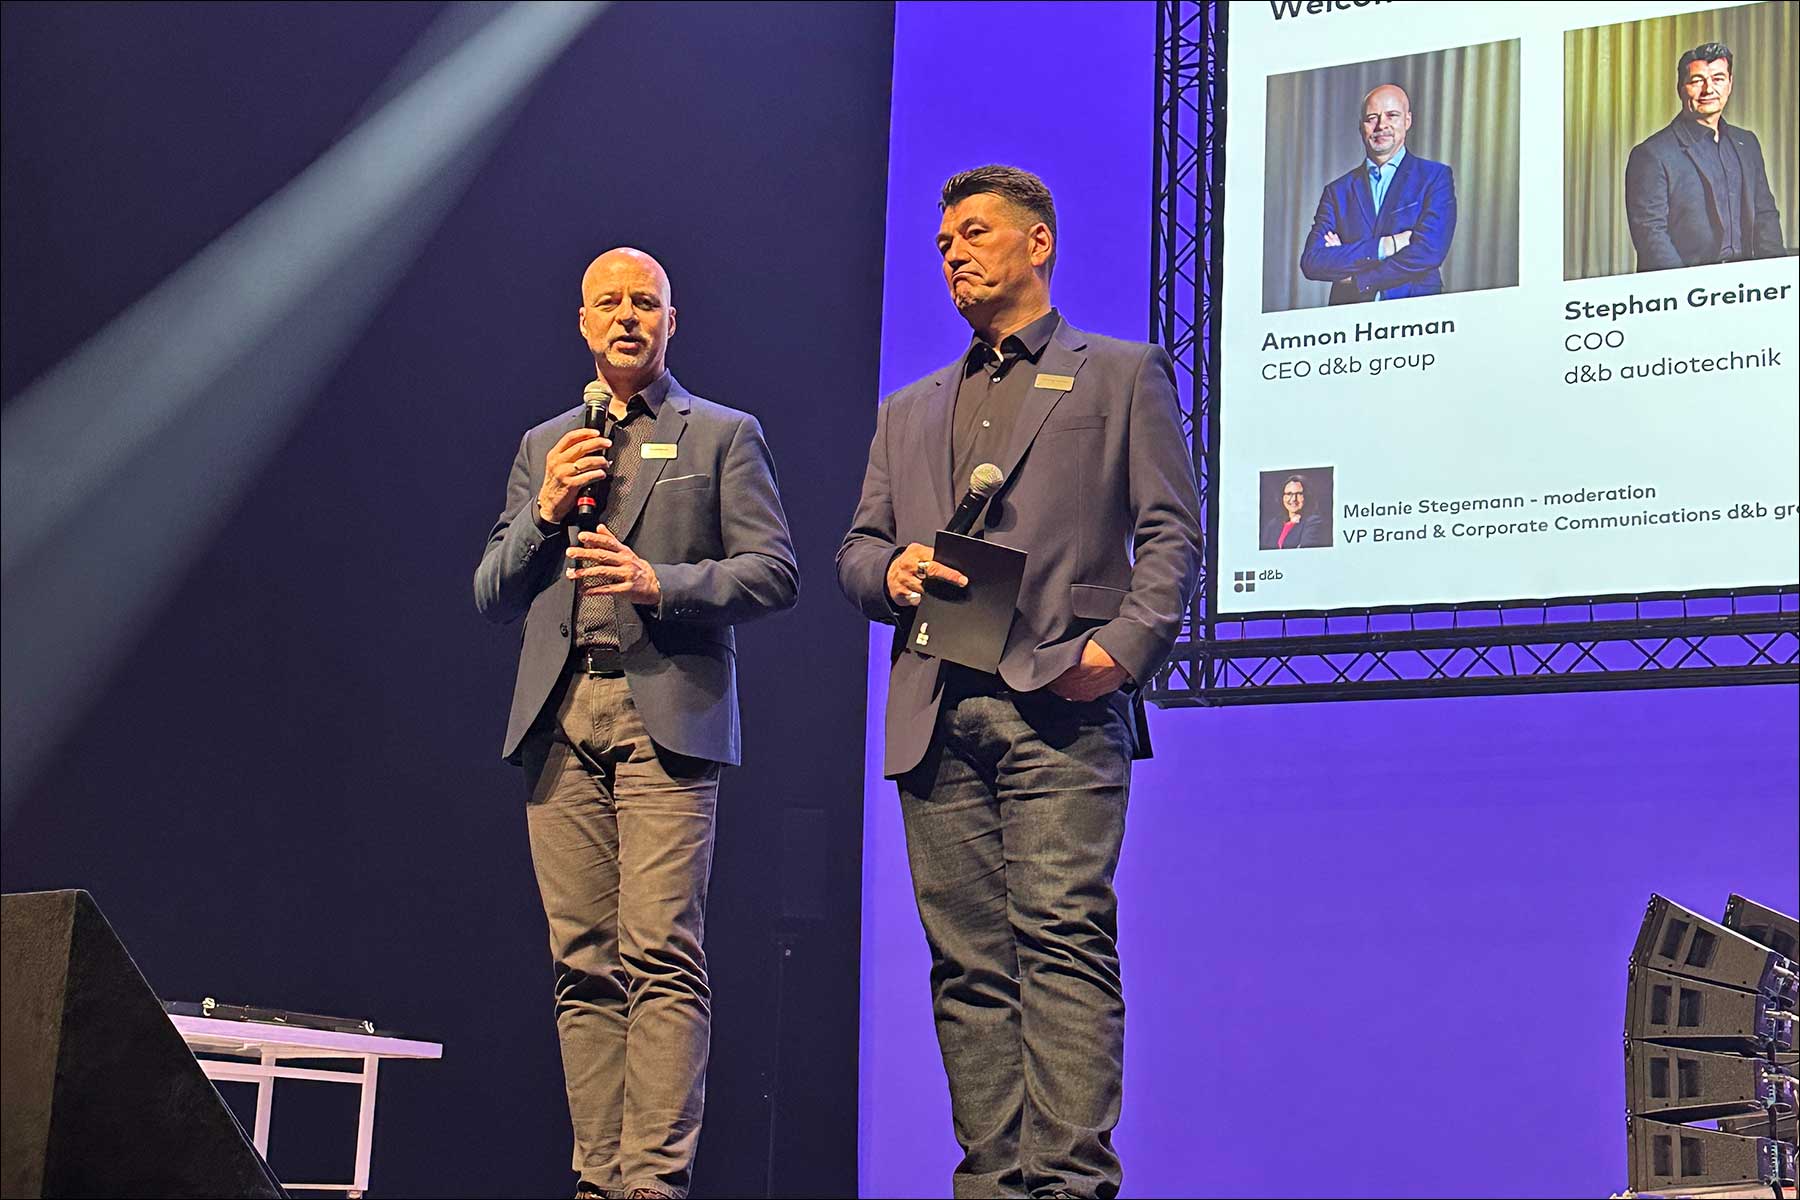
<point>1370,949</point>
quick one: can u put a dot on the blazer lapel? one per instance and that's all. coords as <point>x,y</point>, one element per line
<point>1063,355</point>
<point>1708,171</point>
<point>1746,193</point>
<point>1359,189</point>
<point>1392,196</point>
<point>936,414</point>
<point>671,423</point>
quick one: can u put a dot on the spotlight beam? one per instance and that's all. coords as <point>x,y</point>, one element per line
<point>180,400</point>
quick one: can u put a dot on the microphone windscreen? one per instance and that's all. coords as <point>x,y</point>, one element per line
<point>986,479</point>
<point>597,394</point>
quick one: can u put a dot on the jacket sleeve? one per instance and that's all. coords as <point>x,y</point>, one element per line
<point>1165,507</point>
<point>1328,264</point>
<point>521,558</point>
<point>1312,531</point>
<point>758,574</point>
<point>1647,210</point>
<point>1765,237</point>
<point>1432,235</point>
<point>869,546</point>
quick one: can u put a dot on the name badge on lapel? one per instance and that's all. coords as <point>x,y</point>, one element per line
<point>659,450</point>
<point>1055,383</point>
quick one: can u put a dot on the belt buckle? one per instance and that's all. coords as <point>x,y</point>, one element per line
<point>602,661</point>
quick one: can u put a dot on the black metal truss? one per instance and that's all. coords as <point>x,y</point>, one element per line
<point>1573,645</point>
<point>1184,221</point>
<point>1689,650</point>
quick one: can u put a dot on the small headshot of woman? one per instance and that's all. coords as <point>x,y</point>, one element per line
<point>1299,525</point>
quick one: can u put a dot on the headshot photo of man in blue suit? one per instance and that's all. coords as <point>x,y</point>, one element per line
<point>1383,228</point>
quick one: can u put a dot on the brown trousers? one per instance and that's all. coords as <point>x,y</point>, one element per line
<point>621,840</point>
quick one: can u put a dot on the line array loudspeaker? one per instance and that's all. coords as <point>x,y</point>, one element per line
<point>1709,1035</point>
<point>1674,1083</point>
<point>1681,942</point>
<point>1688,1156</point>
<point>1776,930</point>
<point>1707,1016</point>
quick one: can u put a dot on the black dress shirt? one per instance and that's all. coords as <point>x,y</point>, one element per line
<point>1731,203</point>
<point>1717,157</point>
<point>598,618</point>
<point>988,398</point>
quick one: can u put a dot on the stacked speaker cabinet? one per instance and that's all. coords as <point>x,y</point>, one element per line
<point>1709,1037</point>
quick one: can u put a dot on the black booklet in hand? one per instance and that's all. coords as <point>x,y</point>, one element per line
<point>968,625</point>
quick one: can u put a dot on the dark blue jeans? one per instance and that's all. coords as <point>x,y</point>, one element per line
<point>1013,826</point>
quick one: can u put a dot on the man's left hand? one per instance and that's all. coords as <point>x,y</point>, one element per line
<point>1096,675</point>
<point>604,566</point>
<point>1332,239</point>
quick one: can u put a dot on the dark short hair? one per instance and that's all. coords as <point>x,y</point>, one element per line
<point>1296,478</point>
<point>1704,53</point>
<point>1022,188</point>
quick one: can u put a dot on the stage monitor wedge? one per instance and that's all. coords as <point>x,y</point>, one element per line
<point>99,1095</point>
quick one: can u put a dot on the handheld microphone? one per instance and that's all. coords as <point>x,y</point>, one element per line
<point>984,481</point>
<point>597,398</point>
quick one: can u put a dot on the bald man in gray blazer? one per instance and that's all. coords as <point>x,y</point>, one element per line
<point>625,708</point>
<point>1013,785</point>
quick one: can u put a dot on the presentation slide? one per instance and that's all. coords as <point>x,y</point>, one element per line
<point>1510,303</point>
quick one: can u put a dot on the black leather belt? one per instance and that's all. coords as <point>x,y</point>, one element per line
<point>599,660</point>
<point>966,681</point>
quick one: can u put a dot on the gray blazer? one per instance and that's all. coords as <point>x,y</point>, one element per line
<point>1100,493</point>
<point>1672,198</point>
<point>709,520</point>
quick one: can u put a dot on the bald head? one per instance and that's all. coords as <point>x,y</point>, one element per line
<point>1388,95</point>
<point>626,318</point>
<point>1386,118</point>
<point>627,258</point>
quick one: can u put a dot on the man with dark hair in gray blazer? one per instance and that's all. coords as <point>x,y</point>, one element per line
<point>1697,190</point>
<point>624,709</point>
<point>1013,785</point>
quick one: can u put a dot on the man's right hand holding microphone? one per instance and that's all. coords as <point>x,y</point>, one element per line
<point>573,463</point>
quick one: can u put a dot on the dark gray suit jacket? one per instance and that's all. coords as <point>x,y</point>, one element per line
<point>1672,200</point>
<point>1100,493</point>
<point>709,520</point>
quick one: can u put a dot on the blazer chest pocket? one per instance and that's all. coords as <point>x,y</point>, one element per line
<point>1072,414</point>
<point>1092,602</point>
<point>682,483</point>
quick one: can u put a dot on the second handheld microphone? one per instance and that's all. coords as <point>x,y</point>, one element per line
<point>984,481</point>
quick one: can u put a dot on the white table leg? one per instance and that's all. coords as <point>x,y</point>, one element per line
<point>365,1127</point>
<point>265,1106</point>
